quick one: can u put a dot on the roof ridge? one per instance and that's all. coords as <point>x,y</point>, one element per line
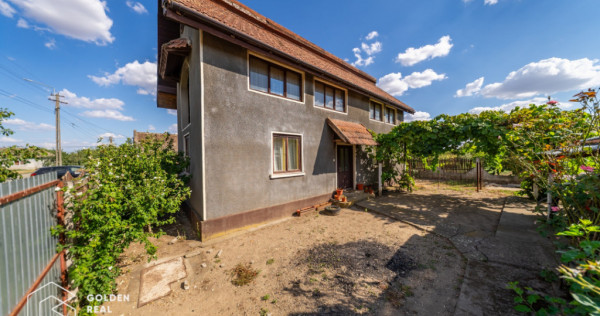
<point>276,27</point>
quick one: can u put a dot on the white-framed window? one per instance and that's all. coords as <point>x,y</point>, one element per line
<point>389,115</point>
<point>286,155</point>
<point>186,149</point>
<point>376,111</point>
<point>271,78</point>
<point>330,97</point>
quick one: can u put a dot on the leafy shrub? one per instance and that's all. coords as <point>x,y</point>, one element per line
<point>126,191</point>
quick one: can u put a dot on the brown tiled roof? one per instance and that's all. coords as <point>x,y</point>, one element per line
<point>239,18</point>
<point>351,133</point>
<point>139,136</point>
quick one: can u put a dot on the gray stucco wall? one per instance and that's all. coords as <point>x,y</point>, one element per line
<point>238,136</point>
<point>195,128</point>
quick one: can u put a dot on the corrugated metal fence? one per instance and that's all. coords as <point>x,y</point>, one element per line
<point>27,212</point>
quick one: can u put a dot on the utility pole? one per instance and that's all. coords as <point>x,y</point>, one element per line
<point>56,99</point>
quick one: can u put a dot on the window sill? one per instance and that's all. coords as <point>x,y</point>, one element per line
<point>287,175</point>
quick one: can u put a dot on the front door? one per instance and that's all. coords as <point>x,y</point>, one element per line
<point>344,167</point>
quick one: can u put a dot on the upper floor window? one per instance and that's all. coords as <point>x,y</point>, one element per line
<point>389,115</point>
<point>274,79</point>
<point>375,111</point>
<point>329,97</point>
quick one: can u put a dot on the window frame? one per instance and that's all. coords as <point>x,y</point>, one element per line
<point>287,173</point>
<point>335,89</point>
<point>381,110</point>
<point>390,110</point>
<point>186,151</point>
<point>285,70</point>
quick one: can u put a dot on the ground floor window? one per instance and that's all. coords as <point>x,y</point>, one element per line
<point>287,153</point>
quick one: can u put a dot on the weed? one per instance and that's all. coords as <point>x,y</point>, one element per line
<point>217,260</point>
<point>266,297</point>
<point>274,301</point>
<point>270,261</point>
<point>243,275</point>
<point>324,276</point>
<point>264,312</point>
<point>548,275</point>
<point>313,280</point>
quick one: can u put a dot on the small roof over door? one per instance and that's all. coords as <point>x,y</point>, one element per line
<point>351,133</point>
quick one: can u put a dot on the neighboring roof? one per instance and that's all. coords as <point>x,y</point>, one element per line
<point>351,133</point>
<point>238,18</point>
<point>139,136</point>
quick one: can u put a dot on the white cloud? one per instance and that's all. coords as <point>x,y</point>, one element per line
<point>371,35</point>
<point>395,85</point>
<point>370,49</point>
<point>6,9</point>
<point>418,116</point>
<point>470,89</point>
<point>151,127</point>
<point>172,112</point>
<point>22,24</point>
<point>6,139</point>
<point>172,129</point>
<point>28,126</point>
<point>87,103</point>
<point>83,20</point>
<point>113,135</point>
<point>141,75</point>
<point>546,77</point>
<point>51,44</point>
<point>137,7</point>
<point>490,2</point>
<point>108,114</point>
<point>359,59</point>
<point>507,107</point>
<point>413,55</point>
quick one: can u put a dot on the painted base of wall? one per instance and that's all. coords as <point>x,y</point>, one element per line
<point>218,227</point>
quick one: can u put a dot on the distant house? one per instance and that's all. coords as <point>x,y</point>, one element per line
<point>29,164</point>
<point>139,136</point>
<point>271,122</point>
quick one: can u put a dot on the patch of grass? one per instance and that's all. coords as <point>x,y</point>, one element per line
<point>397,293</point>
<point>324,276</point>
<point>274,301</point>
<point>270,261</point>
<point>264,312</point>
<point>317,293</point>
<point>266,297</point>
<point>243,274</point>
<point>313,280</point>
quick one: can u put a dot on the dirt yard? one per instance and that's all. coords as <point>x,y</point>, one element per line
<point>355,263</point>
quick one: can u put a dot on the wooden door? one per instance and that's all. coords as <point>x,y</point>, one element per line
<point>344,167</point>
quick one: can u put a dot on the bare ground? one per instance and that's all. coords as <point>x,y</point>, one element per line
<point>355,263</point>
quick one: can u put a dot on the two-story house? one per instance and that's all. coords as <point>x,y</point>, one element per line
<point>271,122</point>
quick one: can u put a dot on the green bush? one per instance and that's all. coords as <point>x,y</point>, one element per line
<point>131,189</point>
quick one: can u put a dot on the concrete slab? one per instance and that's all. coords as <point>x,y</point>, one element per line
<point>156,280</point>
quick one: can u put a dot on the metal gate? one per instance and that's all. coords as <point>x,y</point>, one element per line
<point>32,273</point>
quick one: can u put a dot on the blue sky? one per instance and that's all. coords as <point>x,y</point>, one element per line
<point>438,56</point>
